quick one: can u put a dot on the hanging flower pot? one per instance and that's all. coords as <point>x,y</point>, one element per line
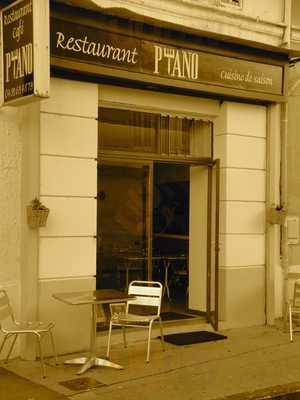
<point>37,214</point>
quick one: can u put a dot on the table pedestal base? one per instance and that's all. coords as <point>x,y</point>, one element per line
<point>89,362</point>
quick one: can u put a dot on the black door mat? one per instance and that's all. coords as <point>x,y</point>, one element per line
<point>15,387</point>
<point>173,316</point>
<point>289,391</point>
<point>81,384</point>
<point>185,338</point>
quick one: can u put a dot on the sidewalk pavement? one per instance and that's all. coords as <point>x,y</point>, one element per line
<point>251,363</point>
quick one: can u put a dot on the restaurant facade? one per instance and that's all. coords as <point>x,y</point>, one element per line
<point>157,150</point>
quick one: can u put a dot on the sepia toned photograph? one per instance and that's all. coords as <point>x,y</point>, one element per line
<point>149,199</point>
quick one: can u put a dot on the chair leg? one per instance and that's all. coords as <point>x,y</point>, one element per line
<point>41,355</point>
<point>53,347</point>
<point>290,323</point>
<point>149,339</point>
<point>108,341</point>
<point>4,341</point>
<point>161,334</point>
<point>11,348</point>
<point>124,336</point>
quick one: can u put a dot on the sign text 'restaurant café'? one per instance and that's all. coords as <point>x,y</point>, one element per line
<point>17,31</point>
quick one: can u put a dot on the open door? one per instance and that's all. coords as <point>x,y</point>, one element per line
<point>213,244</point>
<point>124,249</point>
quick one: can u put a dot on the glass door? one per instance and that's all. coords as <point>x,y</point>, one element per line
<point>124,219</point>
<point>213,244</point>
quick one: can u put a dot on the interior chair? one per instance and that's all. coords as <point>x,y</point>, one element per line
<point>180,278</point>
<point>147,297</point>
<point>294,309</point>
<point>11,328</point>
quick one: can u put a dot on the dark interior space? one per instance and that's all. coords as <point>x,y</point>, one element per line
<point>122,253</point>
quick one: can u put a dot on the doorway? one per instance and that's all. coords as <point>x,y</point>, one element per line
<point>155,223</point>
<point>143,226</point>
<point>156,207</point>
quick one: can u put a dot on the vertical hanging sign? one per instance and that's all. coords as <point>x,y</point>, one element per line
<point>25,51</point>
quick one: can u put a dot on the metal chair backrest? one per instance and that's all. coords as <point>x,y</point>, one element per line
<point>147,294</point>
<point>5,308</point>
<point>296,298</point>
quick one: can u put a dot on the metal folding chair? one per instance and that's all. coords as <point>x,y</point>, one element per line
<point>147,295</point>
<point>10,327</point>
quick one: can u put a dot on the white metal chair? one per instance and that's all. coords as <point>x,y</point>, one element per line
<point>294,309</point>
<point>13,328</point>
<point>148,296</point>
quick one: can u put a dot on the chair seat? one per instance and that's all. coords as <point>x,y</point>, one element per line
<point>11,329</point>
<point>26,327</point>
<point>132,318</point>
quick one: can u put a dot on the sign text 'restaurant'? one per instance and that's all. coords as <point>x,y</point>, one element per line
<point>96,49</point>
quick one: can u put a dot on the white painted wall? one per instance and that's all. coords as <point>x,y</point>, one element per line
<point>295,12</point>
<point>122,97</point>
<point>293,148</point>
<point>274,264</point>
<point>30,128</point>
<point>10,194</point>
<point>258,21</point>
<point>68,186</point>
<point>293,164</point>
<point>19,165</point>
<point>10,204</point>
<point>269,10</point>
<point>240,143</point>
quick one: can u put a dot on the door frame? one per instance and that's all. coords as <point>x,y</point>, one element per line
<point>213,244</point>
<point>212,299</point>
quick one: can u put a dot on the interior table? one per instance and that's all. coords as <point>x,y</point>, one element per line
<point>167,262</point>
<point>95,298</point>
<point>130,262</point>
